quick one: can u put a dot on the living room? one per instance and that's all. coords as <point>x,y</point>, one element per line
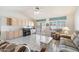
<point>38,28</point>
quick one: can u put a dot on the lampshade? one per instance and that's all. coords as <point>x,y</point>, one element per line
<point>66,29</point>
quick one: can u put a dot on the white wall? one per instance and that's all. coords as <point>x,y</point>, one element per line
<point>77,20</point>
<point>71,21</point>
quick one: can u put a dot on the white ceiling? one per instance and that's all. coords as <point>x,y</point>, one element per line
<point>28,11</point>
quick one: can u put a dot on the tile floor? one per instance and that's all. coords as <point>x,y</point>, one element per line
<point>33,44</point>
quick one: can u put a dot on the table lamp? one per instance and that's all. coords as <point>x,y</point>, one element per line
<point>66,30</point>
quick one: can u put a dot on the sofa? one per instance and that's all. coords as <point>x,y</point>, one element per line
<point>69,45</point>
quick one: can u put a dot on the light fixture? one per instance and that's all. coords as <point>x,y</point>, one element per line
<point>36,11</point>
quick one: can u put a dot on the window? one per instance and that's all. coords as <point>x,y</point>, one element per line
<point>58,22</point>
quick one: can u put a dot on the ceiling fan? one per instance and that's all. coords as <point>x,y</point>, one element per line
<point>36,10</point>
